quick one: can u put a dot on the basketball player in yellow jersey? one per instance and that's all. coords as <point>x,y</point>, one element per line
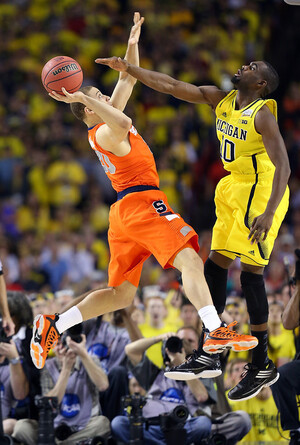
<point>251,202</point>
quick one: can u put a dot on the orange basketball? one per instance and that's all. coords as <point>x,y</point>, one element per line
<point>62,71</point>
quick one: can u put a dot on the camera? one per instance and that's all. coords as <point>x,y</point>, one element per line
<point>74,333</point>
<point>172,424</point>
<point>47,407</point>
<point>173,344</point>
<point>63,431</point>
<point>136,402</point>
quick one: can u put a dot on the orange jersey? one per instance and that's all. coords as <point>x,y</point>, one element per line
<point>136,168</point>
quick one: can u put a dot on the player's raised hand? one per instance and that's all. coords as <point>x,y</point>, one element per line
<point>116,63</point>
<point>68,98</point>
<point>136,29</point>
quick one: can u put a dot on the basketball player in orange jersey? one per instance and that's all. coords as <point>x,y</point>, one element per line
<point>141,223</point>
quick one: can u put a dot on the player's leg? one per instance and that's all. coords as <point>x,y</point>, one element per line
<point>218,336</point>
<point>262,371</point>
<point>215,272</point>
<point>47,328</point>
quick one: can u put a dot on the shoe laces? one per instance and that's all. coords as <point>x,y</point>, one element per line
<point>224,332</point>
<point>249,367</point>
<point>192,356</point>
<point>51,340</point>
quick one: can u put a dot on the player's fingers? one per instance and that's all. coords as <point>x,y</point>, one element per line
<point>66,92</point>
<point>104,61</point>
<point>136,17</point>
<point>266,234</point>
<point>54,96</point>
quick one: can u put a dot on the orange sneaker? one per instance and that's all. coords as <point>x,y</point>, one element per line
<point>223,338</point>
<point>44,337</point>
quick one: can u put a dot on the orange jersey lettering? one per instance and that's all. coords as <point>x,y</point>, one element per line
<point>136,168</point>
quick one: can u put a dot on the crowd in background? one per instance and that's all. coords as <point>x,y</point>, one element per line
<point>54,195</point>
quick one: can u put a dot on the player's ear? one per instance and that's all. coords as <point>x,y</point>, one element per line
<point>88,111</point>
<point>262,83</point>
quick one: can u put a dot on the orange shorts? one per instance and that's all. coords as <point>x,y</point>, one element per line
<point>141,224</point>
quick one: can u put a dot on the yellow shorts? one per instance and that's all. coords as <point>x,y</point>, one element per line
<point>239,199</point>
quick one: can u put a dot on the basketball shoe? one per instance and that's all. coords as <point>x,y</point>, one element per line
<point>44,337</point>
<point>253,381</point>
<point>223,338</point>
<point>196,365</point>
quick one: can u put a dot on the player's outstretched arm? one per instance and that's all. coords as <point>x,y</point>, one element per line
<point>266,125</point>
<point>124,87</point>
<point>210,95</point>
<point>117,123</point>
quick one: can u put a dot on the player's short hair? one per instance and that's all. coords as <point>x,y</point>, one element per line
<point>77,108</point>
<point>272,78</point>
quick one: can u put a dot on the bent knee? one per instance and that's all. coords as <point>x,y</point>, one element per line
<point>125,293</point>
<point>188,258</point>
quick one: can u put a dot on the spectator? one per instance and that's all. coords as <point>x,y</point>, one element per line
<point>281,341</point>
<point>14,383</point>
<point>155,313</point>
<point>75,378</point>
<point>286,390</point>
<point>261,409</point>
<point>189,315</point>
<point>107,341</point>
<point>165,394</point>
<point>7,323</point>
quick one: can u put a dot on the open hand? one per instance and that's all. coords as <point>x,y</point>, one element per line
<point>136,29</point>
<point>260,228</point>
<point>116,63</point>
<point>68,98</point>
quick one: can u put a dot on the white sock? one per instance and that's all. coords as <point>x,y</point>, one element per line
<point>69,318</point>
<point>210,317</point>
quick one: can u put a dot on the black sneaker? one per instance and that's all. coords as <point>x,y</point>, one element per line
<point>196,365</point>
<point>253,381</point>
<point>294,437</point>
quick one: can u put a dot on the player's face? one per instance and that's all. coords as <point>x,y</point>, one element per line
<point>248,74</point>
<point>96,94</point>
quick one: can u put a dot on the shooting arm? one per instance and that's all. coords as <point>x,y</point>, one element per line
<point>124,87</point>
<point>291,314</point>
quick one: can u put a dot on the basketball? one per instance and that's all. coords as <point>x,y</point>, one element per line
<point>62,71</point>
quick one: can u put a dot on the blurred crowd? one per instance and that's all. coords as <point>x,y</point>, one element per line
<point>55,197</point>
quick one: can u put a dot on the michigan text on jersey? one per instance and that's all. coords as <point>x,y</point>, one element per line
<point>231,130</point>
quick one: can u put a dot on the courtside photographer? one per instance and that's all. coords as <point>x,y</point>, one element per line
<point>75,378</point>
<point>165,415</point>
<point>287,388</point>
<point>19,378</point>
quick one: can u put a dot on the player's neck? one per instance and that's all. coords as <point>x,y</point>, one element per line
<point>92,121</point>
<point>245,98</point>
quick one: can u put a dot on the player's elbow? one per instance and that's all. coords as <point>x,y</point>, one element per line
<point>125,123</point>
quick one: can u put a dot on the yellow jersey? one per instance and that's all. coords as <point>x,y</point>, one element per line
<point>241,146</point>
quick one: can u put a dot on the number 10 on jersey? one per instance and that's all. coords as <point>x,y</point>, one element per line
<point>227,150</point>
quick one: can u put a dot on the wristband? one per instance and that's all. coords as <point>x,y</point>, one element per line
<point>15,360</point>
